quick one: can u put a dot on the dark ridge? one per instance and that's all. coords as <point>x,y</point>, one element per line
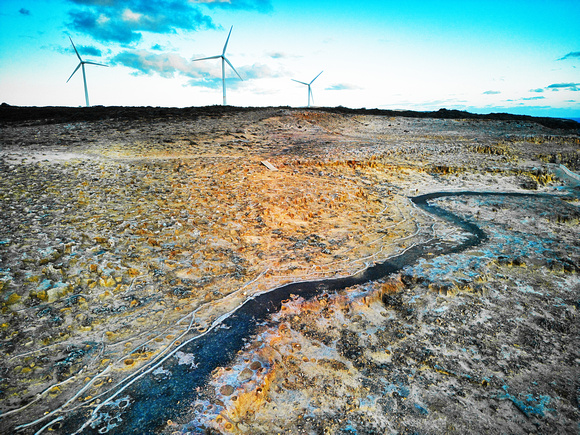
<point>60,115</point>
<point>57,115</point>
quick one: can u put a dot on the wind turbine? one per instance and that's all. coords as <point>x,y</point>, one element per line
<point>224,60</point>
<point>310,96</point>
<point>82,66</point>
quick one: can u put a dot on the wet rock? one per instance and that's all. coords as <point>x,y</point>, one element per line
<point>227,390</point>
<point>393,300</point>
<point>255,365</point>
<point>245,375</point>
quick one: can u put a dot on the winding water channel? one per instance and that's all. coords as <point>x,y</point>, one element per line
<point>144,404</point>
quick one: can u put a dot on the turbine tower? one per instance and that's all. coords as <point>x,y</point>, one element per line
<point>224,60</point>
<point>82,66</point>
<point>310,96</point>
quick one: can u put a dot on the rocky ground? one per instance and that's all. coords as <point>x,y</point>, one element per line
<point>125,232</point>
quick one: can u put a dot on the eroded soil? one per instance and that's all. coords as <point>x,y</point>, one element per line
<point>120,239</point>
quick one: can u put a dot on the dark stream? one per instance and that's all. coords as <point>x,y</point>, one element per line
<point>146,405</point>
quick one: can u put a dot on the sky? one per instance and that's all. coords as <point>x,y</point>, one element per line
<point>483,56</point>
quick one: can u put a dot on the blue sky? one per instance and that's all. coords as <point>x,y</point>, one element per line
<point>481,56</point>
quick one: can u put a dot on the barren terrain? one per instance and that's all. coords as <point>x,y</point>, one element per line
<point>144,254</point>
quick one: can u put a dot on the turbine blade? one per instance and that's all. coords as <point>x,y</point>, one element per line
<point>76,69</point>
<point>316,77</point>
<point>227,40</point>
<point>76,51</point>
<point>206,58</point>
<point>95,63</point>
<point>230,64</point>
<point>299,82</point>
